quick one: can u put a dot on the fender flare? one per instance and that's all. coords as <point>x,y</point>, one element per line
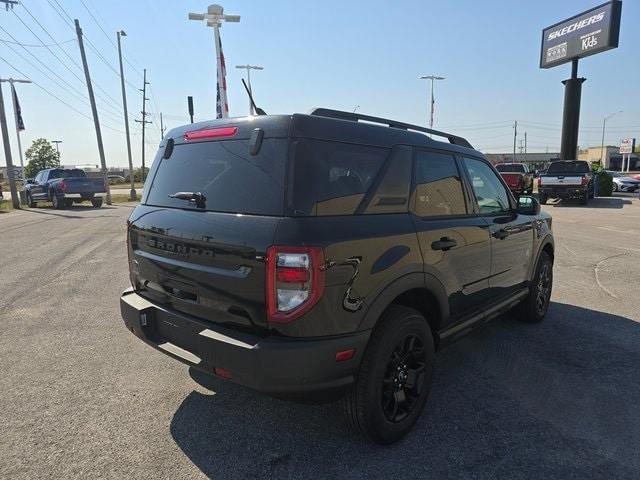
<point>546,240</point>
<point>397,287</point>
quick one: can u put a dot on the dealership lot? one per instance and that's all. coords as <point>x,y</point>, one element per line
<point>82,397</point>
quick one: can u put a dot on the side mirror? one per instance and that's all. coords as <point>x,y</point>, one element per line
<point>528,205</point>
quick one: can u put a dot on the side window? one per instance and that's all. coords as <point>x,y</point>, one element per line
<point>490,194</point>
<point>438,189</point>
<point>331,178</point>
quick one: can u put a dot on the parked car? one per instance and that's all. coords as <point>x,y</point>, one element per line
<point>517,176</point>
<point>63,187</point>
<point>566,179</point>
<point>116,179</point>
<point>624,183</point>
<point>329,255</point>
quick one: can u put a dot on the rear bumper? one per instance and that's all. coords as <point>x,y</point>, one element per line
<point>280,366</point>
<point>570,191</point>
<point>82,195</point>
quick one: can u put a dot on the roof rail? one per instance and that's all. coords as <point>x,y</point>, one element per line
<point>355,117</point>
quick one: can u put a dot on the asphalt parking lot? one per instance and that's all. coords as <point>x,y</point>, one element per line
<point>83,398</point>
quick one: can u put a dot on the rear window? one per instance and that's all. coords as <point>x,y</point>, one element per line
<point>69,173</point>
<point>568,167</point>
<point>501,167</point>
<point>331,178</point>
<point>231,179</point>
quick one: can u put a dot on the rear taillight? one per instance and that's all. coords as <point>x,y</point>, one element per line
<point>539,181</point>
<point>585,180</point>
<point>295,281</point>
<point>62,185</point>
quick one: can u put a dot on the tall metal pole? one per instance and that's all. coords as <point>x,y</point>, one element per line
<point>515,136</point>
<point>571,114</point>
<point>15,200</point>
<point>223,91</point>
<point>433,78</point>
<point>432,104</point>
<point>17,123</point>
<point>94,111</point>
<point>604,123</point>
<point>132,192</point>
<point>162,127</point>
<point>144,120</point>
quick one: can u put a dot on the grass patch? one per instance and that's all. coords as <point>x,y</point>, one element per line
<point>5,206</point>
<point>118,198</point>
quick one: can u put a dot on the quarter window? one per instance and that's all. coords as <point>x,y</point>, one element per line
<point>438,189</point>
<point>491,195</point>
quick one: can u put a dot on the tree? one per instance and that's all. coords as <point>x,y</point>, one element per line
<point>137,174</point>
<point>40,155</point>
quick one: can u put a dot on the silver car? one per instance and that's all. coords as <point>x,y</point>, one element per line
<point>622,183</point>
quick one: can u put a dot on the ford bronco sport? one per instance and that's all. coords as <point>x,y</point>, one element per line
<point>328,255</point>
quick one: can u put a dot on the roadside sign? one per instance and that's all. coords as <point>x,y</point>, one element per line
<point>585,34</point>
<point>627,145</point>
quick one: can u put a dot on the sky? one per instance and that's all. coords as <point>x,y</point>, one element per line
<point>335,54</point>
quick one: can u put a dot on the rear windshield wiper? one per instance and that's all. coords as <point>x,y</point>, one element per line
<point>194,197</point>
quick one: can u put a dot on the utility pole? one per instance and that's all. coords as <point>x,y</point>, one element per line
<point>17,119</point>
<point>144,120</point>
<point>515,136</point>
<point>190,106</point>
<point>521,146</point>
<point>94,111</point>
<point>9,4</point>
<point>248,68</point>
<point>132,192</point>
<point>525,147</point>
<point>162,128</point>
<point>604,125</point>
<point>15,200</point>
<point>57,142</point>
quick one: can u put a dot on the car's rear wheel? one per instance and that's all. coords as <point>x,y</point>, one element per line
<point>543,199</point>
<point>96,202</point>
<point>584,199</point>
<point>615,187</point>
<point>534,307</point>
<point>68,202</point>
<point>58,203</point>
<point>392,385</point>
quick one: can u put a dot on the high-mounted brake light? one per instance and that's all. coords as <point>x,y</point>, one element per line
<point>211,133</point>
<point>295,281</point>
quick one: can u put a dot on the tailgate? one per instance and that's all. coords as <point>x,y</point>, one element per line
<point>206,264</point>
<point>84,185</point>
<point>512,179</point>
<point>560,180</point>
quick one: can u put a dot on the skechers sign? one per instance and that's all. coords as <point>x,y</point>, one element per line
<point>590,32</point>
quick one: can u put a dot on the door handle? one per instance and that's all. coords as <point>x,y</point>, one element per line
<point>501,234</point>
<point>444,244</point>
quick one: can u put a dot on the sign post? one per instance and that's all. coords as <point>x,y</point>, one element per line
<point>582,35</point>
<point>627,146</point>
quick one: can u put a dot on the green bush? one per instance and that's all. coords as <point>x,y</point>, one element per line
<point>605,184</point>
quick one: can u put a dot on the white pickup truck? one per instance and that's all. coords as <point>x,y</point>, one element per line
<point>566,179</point>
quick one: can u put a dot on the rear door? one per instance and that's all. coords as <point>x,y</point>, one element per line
<point>455,242</point>
<point>39,190</point>
<point>207,260</point>
<point>511,233</point>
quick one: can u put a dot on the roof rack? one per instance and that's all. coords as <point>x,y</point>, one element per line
<point>355,117</point>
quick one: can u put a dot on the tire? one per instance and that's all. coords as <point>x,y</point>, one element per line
<point>30,202</point>
<point>543,199</point>
<point>534,307</point>
<point>68,202</point>
<point>392,385</point>
<point>615,187</point>
<point>58,203</point>
<point>584,199</point>
<point>96,202</point>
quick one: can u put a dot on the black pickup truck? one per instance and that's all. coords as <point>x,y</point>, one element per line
<point>63,187</point>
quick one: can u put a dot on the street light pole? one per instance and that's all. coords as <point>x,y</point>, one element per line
<point>432,78</point>
<point>214,17</point>
<point>132,192</point>
<point>604,124</point>
<point>248,68</point>
<point>15,200</point>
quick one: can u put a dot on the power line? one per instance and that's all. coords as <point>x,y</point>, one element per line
<point>108,102</point>
<point>56,97</point>
<point>30,45</point>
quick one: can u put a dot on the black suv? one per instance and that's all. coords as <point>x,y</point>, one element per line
<point>328,255</point>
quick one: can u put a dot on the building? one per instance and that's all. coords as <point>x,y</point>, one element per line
<point>612,157</point>
<point>535,161</point>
